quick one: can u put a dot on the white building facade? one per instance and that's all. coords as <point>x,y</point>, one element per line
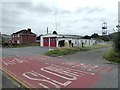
<point>57,40</point>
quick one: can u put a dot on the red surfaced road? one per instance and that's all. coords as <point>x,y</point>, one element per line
<point>48,72</point>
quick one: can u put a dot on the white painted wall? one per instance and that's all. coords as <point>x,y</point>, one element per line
<point>76,42</point>
<point>87,42</point>
<point>41,41</point>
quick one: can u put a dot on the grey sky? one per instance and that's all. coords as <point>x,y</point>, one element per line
<point>79,17</point>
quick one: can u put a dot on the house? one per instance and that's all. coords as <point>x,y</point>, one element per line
<point>5,38</point>
<point>24,37</point>
<point>59,40</point>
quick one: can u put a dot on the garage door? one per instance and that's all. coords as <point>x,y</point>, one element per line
<point>46,42</point>
<point>53,42</point>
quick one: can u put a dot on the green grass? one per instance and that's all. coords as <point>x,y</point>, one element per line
<point>96,46</point>
<point>112,56</point>
<point>71,50</point>
<point>64,51</point>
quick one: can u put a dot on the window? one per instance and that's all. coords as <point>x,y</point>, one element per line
<point>18,35</point>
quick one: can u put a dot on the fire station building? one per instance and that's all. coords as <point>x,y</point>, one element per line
<point>59,40</point>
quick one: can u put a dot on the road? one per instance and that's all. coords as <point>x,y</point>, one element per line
<point>96,57</point>
<point>106,74</point>
<point>25,51</point>
<point>8,82</point>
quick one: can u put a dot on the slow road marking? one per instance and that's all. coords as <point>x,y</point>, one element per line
<point>49,72</point>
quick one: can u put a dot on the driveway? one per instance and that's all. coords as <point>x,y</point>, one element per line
<point>108,73</point>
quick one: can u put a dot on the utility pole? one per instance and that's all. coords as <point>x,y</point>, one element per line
<point>56,20</point>
<point>47,30</point>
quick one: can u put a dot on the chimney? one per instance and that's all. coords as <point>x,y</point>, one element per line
<point>29,30</point>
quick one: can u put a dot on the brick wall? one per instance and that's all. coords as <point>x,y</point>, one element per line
<point>25,39</point>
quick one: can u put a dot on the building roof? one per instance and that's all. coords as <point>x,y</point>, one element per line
<point>63,35</point>
<point>24,31</point>
<point>5,36</point>
<point>69,35</point>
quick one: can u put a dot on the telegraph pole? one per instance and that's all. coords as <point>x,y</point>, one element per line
<point>56,20</point>
<point>47,30</point>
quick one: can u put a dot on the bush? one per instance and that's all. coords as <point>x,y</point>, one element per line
<point>112,55</point>
<point>116,43</point>
<point>4,44</point>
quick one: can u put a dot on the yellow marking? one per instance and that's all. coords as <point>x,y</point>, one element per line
<point>24,83</point>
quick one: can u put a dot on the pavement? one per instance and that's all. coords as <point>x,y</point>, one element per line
<point>83,70</point>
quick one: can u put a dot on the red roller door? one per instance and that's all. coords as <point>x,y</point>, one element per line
<point>52,41</point>
<point>46,42</point>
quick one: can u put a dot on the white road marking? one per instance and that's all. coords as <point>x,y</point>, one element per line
<point>13,61</point>
<point>44,80</point>
<point>73,77</point>
<point>44,86</point>
<point>66,68</point>
<point>63,84</point>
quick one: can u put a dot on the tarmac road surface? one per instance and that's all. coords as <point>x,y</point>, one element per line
<point>81,70</point>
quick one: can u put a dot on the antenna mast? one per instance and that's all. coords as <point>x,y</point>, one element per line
<point>104,28</point>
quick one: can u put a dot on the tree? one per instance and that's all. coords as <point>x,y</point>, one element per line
<point>105,38</point>
<point>116,42</point>
<point>54,32</point>
<point>87,37</point>
<point>95,35</point>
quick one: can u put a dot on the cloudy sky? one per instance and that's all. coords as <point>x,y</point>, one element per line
<point>81,17</point>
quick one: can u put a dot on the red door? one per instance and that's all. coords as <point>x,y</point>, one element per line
<point>46,42</point>
<point>53,42</point>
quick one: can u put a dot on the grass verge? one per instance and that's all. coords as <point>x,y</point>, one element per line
<point>112,56</point>
<point>64,51</point>
<point>96,46</point>
<point>71,50</point>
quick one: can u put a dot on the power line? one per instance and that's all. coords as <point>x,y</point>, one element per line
<point>83,16</point>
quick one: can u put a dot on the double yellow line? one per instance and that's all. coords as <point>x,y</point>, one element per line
<point>18,79</point>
